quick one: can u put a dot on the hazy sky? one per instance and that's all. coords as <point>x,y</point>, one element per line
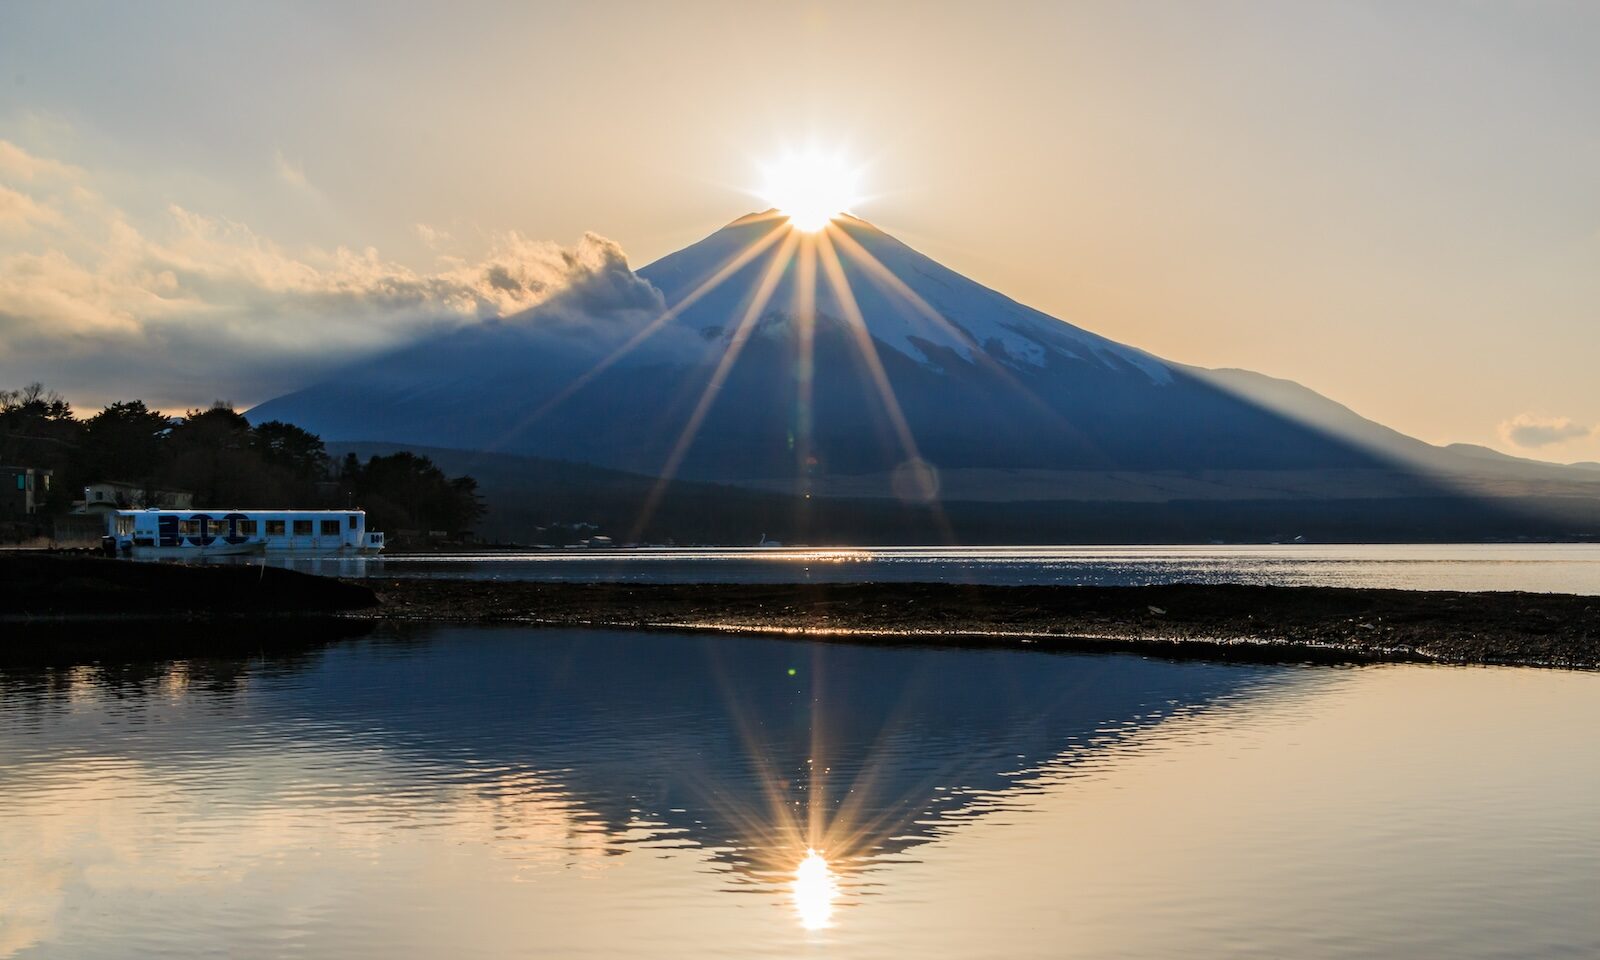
<point>1396,203</point>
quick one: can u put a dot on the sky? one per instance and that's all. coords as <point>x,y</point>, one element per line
<point>1396,204</point>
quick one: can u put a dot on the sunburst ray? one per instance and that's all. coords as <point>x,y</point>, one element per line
<point>857,325</point>
<point>868,351</point>
<point>730,355</point>
<point>805,333</point>
<point>887,280</point>
<point>717,277</point>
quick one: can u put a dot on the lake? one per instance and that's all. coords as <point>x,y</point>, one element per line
<point>490,792</point>
<point>1549,568</point>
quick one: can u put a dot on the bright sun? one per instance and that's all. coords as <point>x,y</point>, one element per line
<point>811,188</point>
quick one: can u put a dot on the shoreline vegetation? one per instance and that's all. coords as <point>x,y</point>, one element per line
<point>138,457</point>
<point>82,605</point>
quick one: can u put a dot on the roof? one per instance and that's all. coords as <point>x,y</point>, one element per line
<point>195,511</point>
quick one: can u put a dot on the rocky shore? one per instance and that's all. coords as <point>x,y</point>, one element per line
<point>52,605</point>
<point>65,608</point>
<point>50,587</point>
<point>1184,620</point>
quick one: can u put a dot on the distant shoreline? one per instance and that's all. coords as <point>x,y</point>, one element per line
<point>80,606</point>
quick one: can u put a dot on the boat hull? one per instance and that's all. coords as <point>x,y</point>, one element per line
<point>188,552</point>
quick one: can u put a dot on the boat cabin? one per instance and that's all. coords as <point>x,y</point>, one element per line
<point>181,533</point>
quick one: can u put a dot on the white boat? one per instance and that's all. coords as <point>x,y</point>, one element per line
<point>198,534</point>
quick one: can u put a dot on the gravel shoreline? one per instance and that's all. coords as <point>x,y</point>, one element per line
<point>79,605</point>
<point>1237,622</point>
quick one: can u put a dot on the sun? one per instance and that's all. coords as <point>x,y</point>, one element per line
<point>815,888</point>
<point>812,187</point>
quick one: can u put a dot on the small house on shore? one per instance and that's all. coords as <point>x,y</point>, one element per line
<point>107,495</point>
<point>22,491</point>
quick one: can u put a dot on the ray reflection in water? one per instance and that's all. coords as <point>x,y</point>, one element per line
<point>477,792</point>
<point>1558,568</point>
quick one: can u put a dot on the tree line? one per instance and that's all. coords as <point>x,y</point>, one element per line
<point>221,458</point>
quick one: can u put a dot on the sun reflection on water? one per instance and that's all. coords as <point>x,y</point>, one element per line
<point>815,889</point>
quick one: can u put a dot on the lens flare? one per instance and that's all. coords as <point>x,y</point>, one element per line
<point>811,188</point>
<point>814,891</point>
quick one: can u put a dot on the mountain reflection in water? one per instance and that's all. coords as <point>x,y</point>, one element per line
<point>471,791</point>
<point>757,749</point>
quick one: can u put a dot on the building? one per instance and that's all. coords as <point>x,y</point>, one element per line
<point>185,534</point>
<point>22,491</point>
<point>119,495</point>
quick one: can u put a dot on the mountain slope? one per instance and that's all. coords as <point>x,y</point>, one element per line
<point>978,385</point>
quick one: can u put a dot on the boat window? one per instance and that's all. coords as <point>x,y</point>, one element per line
<point>189,528</point>
<point>330,528</point>
<point>302,528</point>
<point>247,528</point>
<point>274,528</point>
<point>355,520</point>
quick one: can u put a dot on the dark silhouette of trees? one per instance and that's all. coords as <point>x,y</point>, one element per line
<point>38,429</point>
<point>212,457</point>
<point>404,491</point>
<point>217,455</point>
<point>126,441</point>
<point>295,451</point>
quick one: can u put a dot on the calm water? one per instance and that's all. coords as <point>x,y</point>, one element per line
<point>486,792</point>
<point>1549,568</point>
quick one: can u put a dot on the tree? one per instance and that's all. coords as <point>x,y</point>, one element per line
<point>218,428</point>
<point>219,457</point>
<point>125,441</point>
<point>213,459</point>
<point>298,452</point>
<point>37,401</point>
<point>37,429</point>
<point>404,491</point>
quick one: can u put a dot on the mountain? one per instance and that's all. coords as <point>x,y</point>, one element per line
<point>532,500</point>
<point>857,367</point>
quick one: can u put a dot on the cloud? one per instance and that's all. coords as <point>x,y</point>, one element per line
<point>290,172</point>
<point>188,307</point>
<point>1527,430</point>
<point>432,237</point>
<point>17,164</point>
<point>19,212</point>
<point>597,285</point>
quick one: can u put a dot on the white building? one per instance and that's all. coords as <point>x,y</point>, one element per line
<point>183,534</point>
<point>120,495</point>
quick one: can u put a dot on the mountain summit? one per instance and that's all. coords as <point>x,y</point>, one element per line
<point>833,362</point>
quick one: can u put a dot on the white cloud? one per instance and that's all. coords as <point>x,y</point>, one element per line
<point>1528,430</point>
<point>17,164</point>
<point>289,171</point>
<point>19,212</point>
<point>191,307</point>
<point>432,237</point>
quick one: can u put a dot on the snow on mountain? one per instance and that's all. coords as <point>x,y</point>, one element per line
<point>944,311</point>
<point>640,375</point>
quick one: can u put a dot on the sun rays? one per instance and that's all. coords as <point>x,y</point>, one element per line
<point>825,806</point>
<point>730,355</point>
<point>819,256</point>
<point>817,261</point>
<point>806,242</point>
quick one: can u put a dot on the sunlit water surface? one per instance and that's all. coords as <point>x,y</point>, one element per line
<point>1548,568</point>
<point>502,792</point>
